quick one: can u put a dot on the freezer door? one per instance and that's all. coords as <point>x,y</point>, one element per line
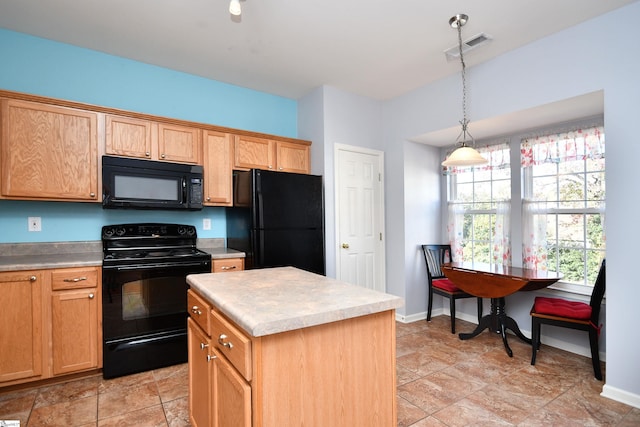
<point>302,248</point>
<point>287,200</point>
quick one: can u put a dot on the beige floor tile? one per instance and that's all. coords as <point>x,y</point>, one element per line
<point>126,400</point>
<point>152,416</point>
<point>64,414</point>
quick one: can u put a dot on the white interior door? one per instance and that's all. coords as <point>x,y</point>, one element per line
<point>360,216</point>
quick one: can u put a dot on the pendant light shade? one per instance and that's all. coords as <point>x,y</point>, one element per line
<point>464,155</point>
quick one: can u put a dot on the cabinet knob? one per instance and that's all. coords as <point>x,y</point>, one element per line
<point>210,357</point>
<point>196,310</point>
<point>163,155</point>
<point>280,169</point>
<point>148,154</point>
<point>91,296</point>
<point>208,199</point>
<point>203,346</point>
<point>221,339</point>
<point>32,278</point>
<point>92,194</point>
<point>270,167</point>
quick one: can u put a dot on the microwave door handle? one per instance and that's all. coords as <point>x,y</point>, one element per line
<point>184,191</point>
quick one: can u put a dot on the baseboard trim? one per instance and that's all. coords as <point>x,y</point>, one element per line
<point>621,396</point>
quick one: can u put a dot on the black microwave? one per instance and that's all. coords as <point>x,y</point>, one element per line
<point>148,184</point>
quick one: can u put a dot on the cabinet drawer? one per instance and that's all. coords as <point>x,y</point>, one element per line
<point>227,265</point>
<point>233,343</point>
<point>74,278</point>
<point>200,311</point>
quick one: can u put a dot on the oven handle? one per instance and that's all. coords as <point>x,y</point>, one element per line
<point>140,341</point>
<point>160,265</point>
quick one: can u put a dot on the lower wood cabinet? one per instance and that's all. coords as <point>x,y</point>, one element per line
<point>21,326</point>
<point>50,323</point>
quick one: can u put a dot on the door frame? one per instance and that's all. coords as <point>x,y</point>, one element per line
<point>338,148</point>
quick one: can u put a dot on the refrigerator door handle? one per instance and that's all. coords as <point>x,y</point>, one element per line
<point>259,210</point>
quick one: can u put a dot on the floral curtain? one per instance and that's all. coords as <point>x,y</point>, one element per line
<point>454,230</point>
<point>501,234</point>
<point>575,145</point>
<point>534,232</point>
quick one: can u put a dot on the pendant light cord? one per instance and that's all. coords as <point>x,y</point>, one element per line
<point>464,121</point>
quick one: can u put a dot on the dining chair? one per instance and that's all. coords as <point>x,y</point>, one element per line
<point>571,314</point>
<point>435,256</point>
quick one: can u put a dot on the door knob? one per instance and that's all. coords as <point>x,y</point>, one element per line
<point>345,246</point>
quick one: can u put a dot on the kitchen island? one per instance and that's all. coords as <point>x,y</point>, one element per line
<point>284,347</point>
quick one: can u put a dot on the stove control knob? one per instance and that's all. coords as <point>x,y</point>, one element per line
<point>191,231</point>
<point>108,232</point>
<point>120,231</point>
<point>182,230</point>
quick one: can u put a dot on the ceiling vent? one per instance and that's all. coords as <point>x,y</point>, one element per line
<point>453,53</point>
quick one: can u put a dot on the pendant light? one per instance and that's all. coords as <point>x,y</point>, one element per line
<point>465,155</point>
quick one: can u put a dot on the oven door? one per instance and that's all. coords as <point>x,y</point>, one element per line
<point>144,316</point>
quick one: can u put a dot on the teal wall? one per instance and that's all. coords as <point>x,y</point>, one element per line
<point>43,67</point>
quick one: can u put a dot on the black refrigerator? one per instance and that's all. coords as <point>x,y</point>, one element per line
<point>277,219</point>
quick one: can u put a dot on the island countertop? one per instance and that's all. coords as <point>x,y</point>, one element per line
<point>273,300</point>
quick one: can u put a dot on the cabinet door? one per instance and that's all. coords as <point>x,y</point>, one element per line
<point>20,325</point>
<point>218,184</point>
<point>127,136</point>
<point>178,143</point>
<point>231,396</point>
<point>74,330</point>
<point>253,153</point>
<point>200,376</point>
<point>292,157</point>
<point>48,152</point>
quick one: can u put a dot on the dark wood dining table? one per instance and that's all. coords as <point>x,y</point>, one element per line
<point>496,281</point>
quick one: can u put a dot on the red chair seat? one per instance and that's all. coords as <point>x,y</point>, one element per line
<point>445,284</point>
<point>562,308</point>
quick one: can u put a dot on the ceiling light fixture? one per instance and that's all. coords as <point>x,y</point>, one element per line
<point>465,155</point>
<point>234,8</point>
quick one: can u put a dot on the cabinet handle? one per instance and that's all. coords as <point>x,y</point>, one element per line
<point>210,357</point>
<point>228,267</point>
<point>221,339</point>
<point>91,296</point>
<point>75,279</point>
<point>203,346</point>
<point>196,310</point>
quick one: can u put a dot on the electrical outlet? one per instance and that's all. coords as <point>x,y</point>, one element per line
<point>35,223</point>
<point>206,223</point>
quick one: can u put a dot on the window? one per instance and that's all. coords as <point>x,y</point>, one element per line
<point>564,203</point>
<point>479,207</point>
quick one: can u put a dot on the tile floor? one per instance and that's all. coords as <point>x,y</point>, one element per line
<point>442,381</point>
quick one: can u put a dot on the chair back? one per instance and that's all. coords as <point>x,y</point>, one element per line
<point>435,256</point>
<point>598,293</point>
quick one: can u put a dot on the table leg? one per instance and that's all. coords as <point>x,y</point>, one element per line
<point>499,322</point>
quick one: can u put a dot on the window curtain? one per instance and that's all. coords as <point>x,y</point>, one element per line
<point>501,234</point>
<point>579,144</point>
<point>534,239</point>
<point>454,229</point>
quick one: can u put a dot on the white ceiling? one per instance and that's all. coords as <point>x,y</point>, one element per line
<point>375,48</point>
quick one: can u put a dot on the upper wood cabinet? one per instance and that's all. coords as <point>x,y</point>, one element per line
<point>262,153</point>
<point>217,148</point>
<point>48,152</point>
<point>145,139</point>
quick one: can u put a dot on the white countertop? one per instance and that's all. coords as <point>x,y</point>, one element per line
<point>273,300</point>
